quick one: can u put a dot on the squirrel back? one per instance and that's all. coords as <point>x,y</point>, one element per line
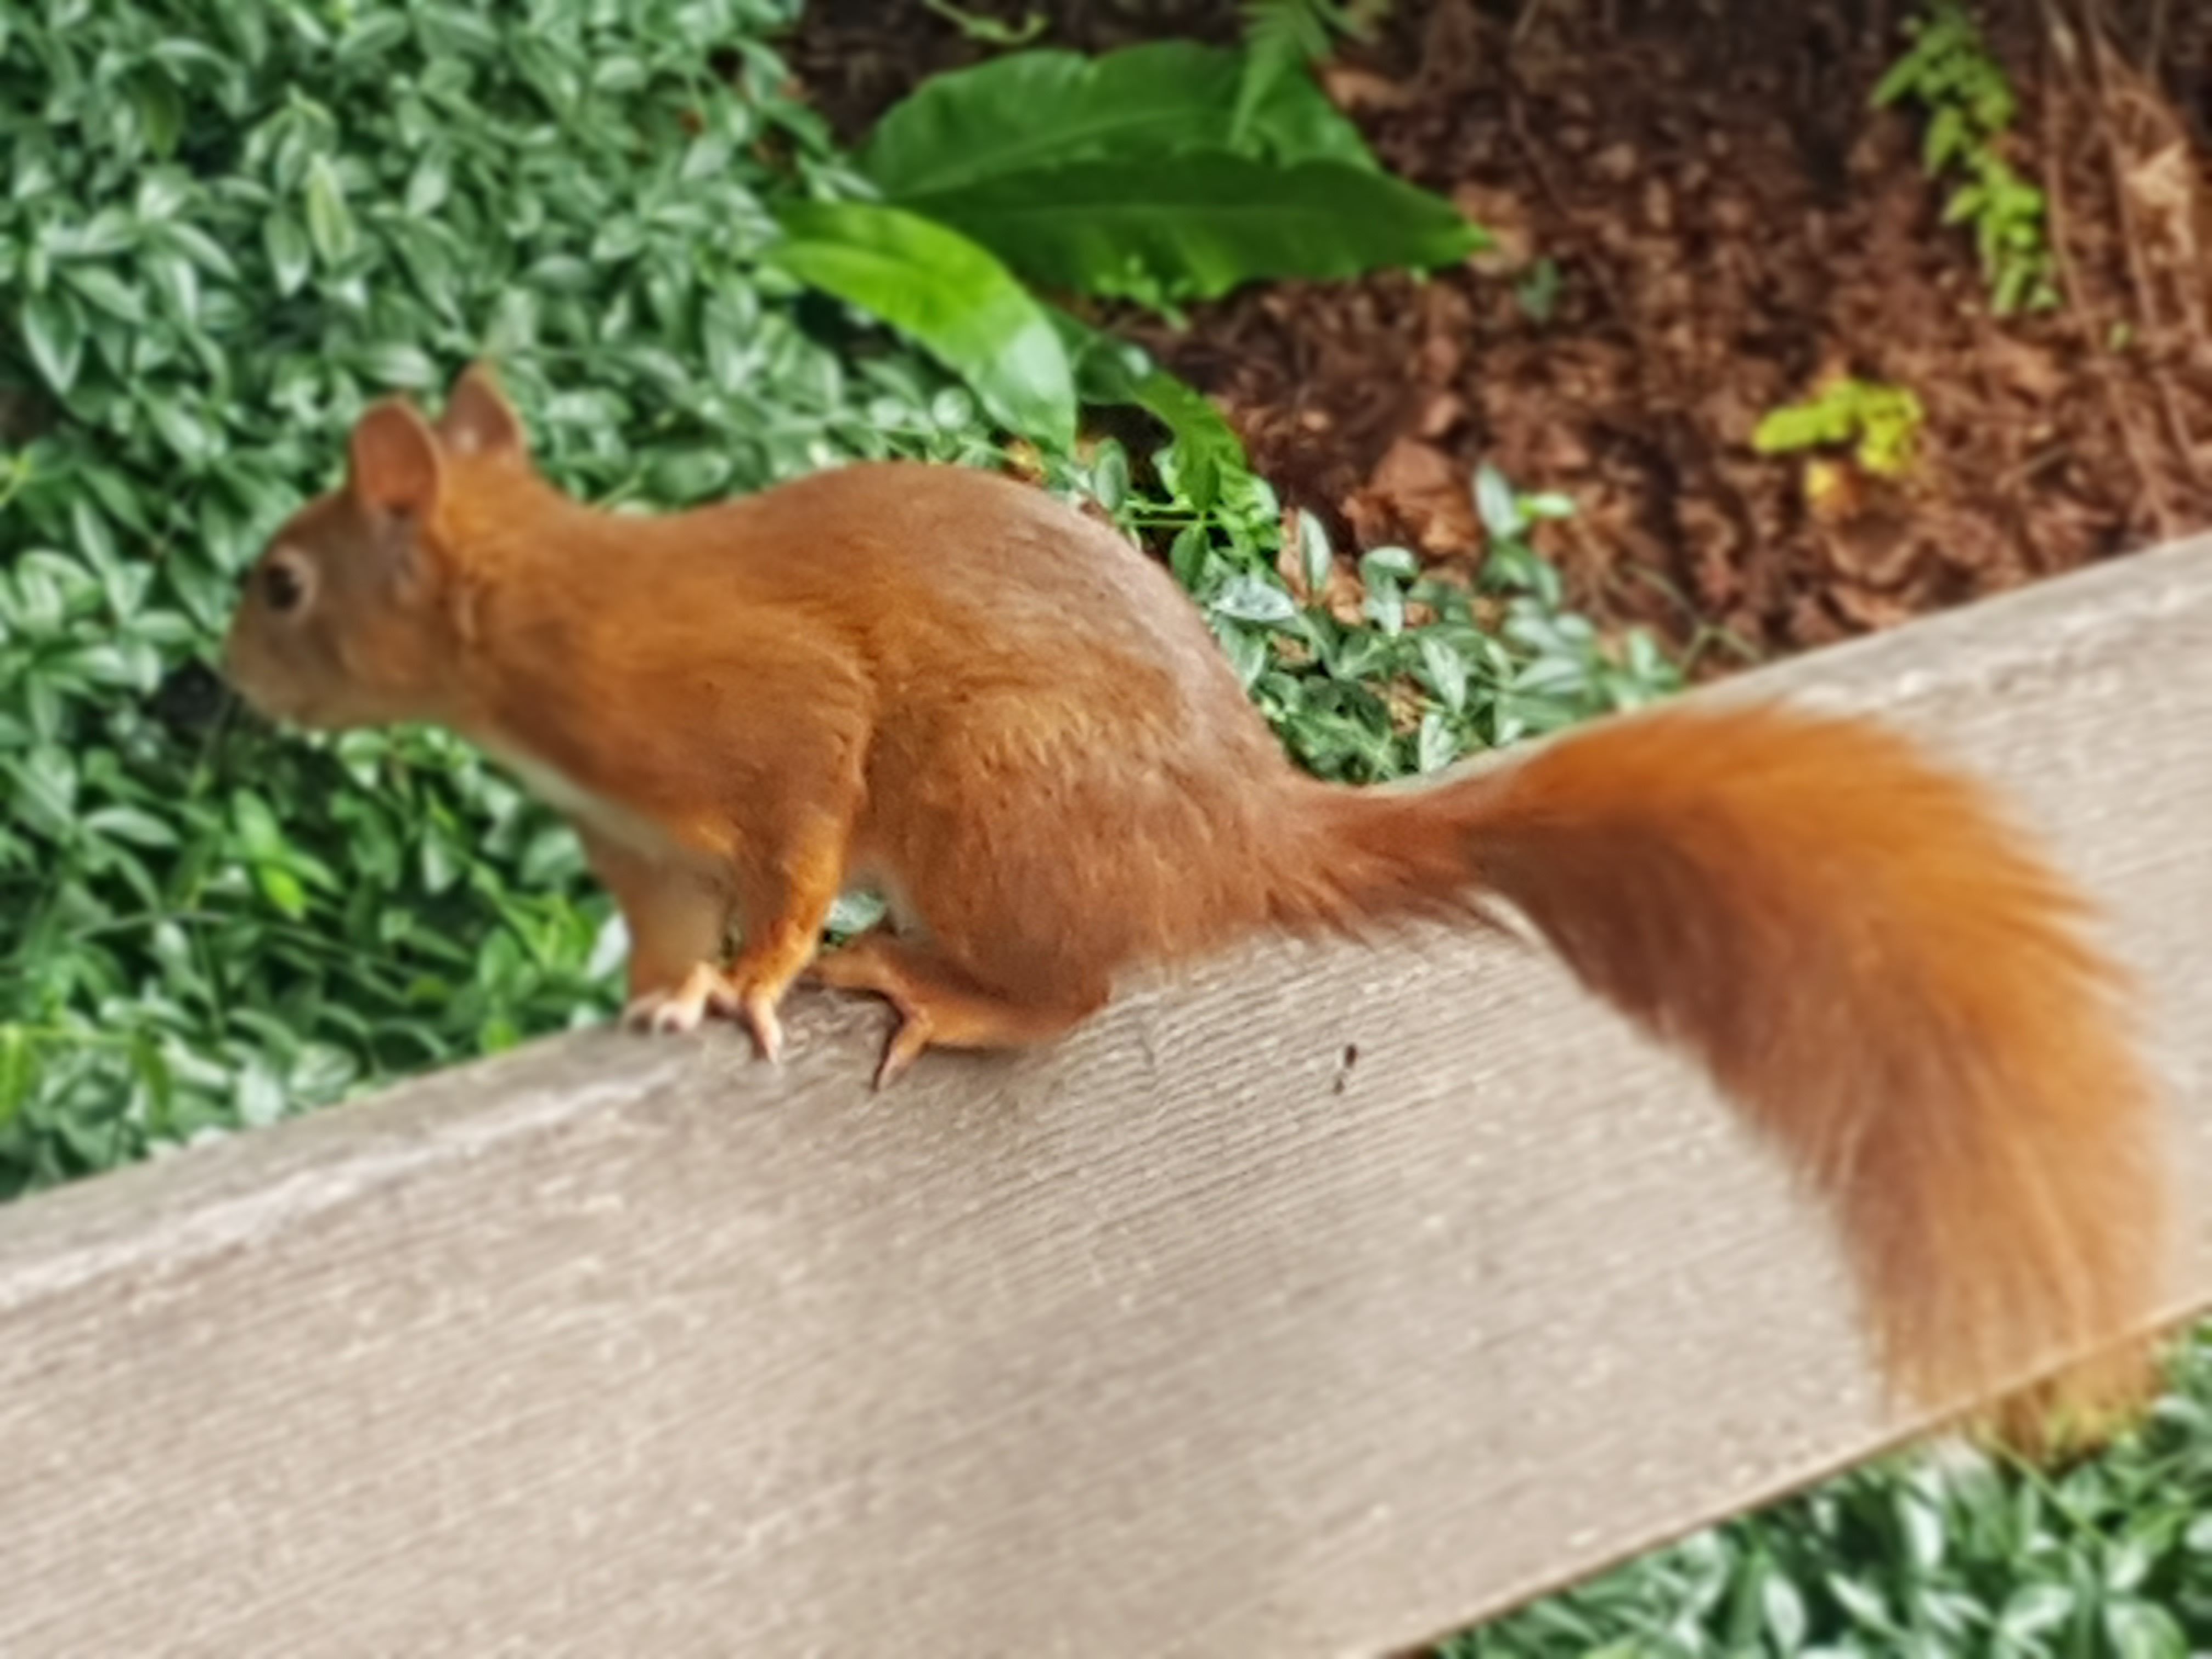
<point>943,683</point>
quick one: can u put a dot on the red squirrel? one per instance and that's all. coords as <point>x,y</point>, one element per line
<point>944,683</point>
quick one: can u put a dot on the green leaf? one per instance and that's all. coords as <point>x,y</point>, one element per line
<point>17,1072</point>
<point>1109,477</point>
<point>1189,556</point>
<point>109,231</point>
<point>1434,746</point>
<point>1947,138</point>
<point>1016,114</point>
<point>1384,564</point>
<point>405,366</point>
<point>289,254</point>
<point>329,221</point>
<point>1203,227</point>
<point>1385,606</point>
<point>260,1096</point>
<point>1317,558</point>
<point>1247,649</point>
<point>684,476</point>
<point>177,280</point>
<point>1497,505</point>
<point>1282,40</point>
<point>94,539</point>
<point>48,779</point>
<point>160,113</point>
<point>1205,447</point>
<point>1903,76</point>
<point>2033,1611</point>
<point>1254,598</point>
<point>1783,431</point>
<point>259,835</point>
<point>1206,450</point>
<point>54,333</point>
<point>945,293</point>
<point>1782,1611</point>
<point>130,823</point>
<point>1291,120</point>
<point>1446,670</point>
<point>1863,1604</point>
<point>104,289</point>
<point>2142,1630</point>
<point>192,439</point>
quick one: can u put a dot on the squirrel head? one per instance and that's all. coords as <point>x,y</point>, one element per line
<point>353,614</point>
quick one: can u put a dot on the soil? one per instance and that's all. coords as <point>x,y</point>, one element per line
<point>1698,217</point>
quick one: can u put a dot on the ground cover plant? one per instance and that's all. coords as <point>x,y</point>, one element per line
<point>1926,1558</point>
<point>226,227</point>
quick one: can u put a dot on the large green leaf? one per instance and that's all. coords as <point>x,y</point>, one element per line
<point>950,296</point>
<point>1044,109</point>
<point>1202,226</point>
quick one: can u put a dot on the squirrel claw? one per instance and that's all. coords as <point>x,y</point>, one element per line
<point>903,1049</point>
<point>758,1014</point>
<point>702,991</point>
<point>707,990</point>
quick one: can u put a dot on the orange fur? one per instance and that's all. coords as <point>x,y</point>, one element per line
<point>1898,991</point>
<point>943,682</point>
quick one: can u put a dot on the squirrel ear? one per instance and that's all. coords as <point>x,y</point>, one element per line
<point>395,460</point>
<point>479,420</point>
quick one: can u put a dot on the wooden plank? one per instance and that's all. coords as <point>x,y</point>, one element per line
<point>1194,1336</point>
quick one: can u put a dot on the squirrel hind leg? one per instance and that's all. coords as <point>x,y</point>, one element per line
<point>940,1006</point>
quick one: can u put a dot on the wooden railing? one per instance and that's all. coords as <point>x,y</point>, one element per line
<point>1320,1303</point>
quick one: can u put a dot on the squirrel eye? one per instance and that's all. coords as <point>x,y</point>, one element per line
<point>283,586</point>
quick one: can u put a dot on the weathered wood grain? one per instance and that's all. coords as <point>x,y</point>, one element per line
<point>1196,1336</point>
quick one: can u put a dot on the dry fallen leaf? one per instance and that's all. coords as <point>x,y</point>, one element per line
<point>1426,491</point>
<point>1352,90</point>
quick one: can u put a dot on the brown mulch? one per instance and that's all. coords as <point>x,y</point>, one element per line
<point>1721,222</point>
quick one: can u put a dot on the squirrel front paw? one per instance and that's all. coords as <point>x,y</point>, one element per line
<point>708,990</point>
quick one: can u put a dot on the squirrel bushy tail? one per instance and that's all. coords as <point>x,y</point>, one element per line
<point>1885,976</point>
